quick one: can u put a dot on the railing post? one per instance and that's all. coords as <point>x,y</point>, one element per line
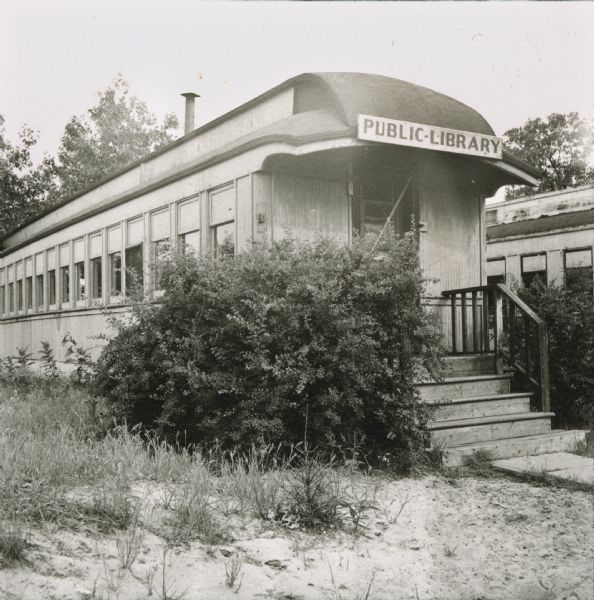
<point>543,350</point>
<point>498,334</point>
<point>486,347</point>
<point>453,323</point>
<point>464,323</point>
<point>475,329</point>
<point>527,348</point>
<point>511,317</point>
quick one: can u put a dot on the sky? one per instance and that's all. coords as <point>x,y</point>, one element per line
<point>510,61</point>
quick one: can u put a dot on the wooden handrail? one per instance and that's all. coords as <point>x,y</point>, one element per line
<point>519,303</point>
<point>494,325</point>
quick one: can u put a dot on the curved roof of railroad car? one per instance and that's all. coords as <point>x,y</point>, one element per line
<point>383,96</point>
<point>347,95</point>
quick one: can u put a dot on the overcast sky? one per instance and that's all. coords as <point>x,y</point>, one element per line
<point>510,61</point>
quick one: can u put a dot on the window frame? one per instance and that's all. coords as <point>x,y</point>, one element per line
<point>214,226</point>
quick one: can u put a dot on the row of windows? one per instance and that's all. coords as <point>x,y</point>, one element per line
<point>87,271</point>
<point>577,268</point>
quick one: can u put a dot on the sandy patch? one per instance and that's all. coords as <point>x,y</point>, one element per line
<point>465,539</point>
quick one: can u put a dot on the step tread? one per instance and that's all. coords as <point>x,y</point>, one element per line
<point>554,433</point>
<point>474,421</point>
<point>465,379</point>
<point>536,444</point>
<point>470,355</point>
<point>470,399</point>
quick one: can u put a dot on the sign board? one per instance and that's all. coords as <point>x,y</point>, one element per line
<point>429,137</point>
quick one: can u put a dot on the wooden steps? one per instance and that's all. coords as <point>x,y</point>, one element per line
<point>530,445</point>
<point>494,427</point>
<point>475,411</point>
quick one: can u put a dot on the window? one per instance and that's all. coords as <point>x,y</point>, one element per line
<point>134,257</point>
<point>534,266</point>
<point>190,242</point>
<point>65,284</point>
<point>222,221</point>
<point>188,228</point>
<point>11,297</point>
<point>96,274</point>
<point>29,292</point>
<point>114,262</point>
<point>160,229</point>
<point>78,249</point>
<point>578,269</point>
<point>39,291</point>
<point>79,278</point>
<point>29,283</point>
<point>64,257</point>
<point>495,271</point>
<point>134,268</point>
<point>115,273</point>
<point>20,300</point>
<point>51,287</point>
<point>51,277</point>
<point>96,286</point>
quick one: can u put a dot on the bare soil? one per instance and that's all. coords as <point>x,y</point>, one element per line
<point>458,538</point>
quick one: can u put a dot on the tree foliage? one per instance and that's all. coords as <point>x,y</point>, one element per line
<point>315,341</point>
<point>25,189</point>
<point>560,146</point>
<point>569,315</point>
<point>118,130</point>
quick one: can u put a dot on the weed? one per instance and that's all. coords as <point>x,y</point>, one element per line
<point>585,447</point>
<point>313,492</point>
<point>129,542</point>
<point>193,512</point>
<point>109,510</point>
<point>360,596</point>
<point>13,543</point>
<point>24,359</point>
<point>233,570</point>
<point>48,360</point>
<point>252,482</point>
<point>389,516</point>
<point>479,459</point>
<point>450,551</point>
<point>165,591</point>
<point>358,500</point>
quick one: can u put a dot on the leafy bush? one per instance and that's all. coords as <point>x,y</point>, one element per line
<point>569,315</point>
<point>314,341</point>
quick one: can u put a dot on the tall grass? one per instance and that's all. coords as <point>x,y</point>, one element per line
<point>58,462</point>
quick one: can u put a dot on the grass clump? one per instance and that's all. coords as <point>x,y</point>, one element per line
<point>13,543</point>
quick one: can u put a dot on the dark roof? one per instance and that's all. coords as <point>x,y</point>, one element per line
<point>363,93</point>
<point>542,224</point>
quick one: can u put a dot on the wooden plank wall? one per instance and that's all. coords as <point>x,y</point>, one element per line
<point>450,243</point>
<point>308,207</point>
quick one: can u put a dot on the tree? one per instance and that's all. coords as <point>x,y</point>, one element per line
<point>559,146</point>
<point>117,131</point>
<point>25,189</point>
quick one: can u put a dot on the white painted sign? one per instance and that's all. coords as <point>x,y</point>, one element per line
<point>429,137</point>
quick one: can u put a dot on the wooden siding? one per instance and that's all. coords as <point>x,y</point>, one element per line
<point>307,208</point>
<point>450,238</point>
<point>244,212</point>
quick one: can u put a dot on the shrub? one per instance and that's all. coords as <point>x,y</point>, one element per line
<point>569,315</point>
<point>260,347</point>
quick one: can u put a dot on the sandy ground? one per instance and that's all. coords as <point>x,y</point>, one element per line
<point>460,538</point>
